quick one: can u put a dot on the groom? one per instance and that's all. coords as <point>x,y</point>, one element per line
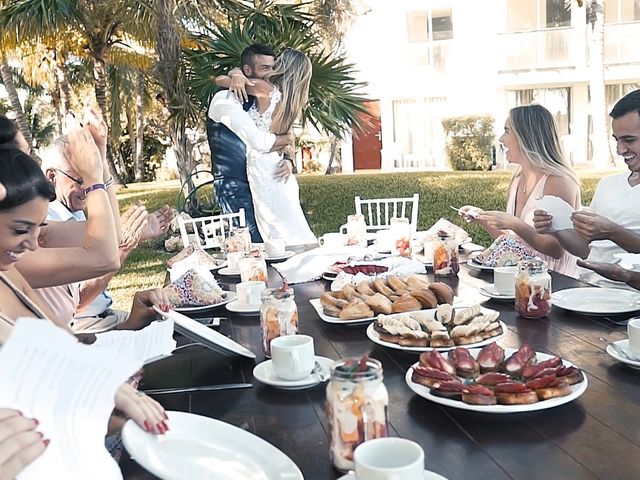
<point>228,151</point>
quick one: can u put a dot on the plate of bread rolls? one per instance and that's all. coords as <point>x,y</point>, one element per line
<point>364,301</point>
<point>441,329</point>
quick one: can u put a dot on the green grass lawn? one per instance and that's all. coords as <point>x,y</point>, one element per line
<point>327,200</point>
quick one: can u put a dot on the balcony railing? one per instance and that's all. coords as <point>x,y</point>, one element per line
<point>620,43</point>
<point>432,55</point>
<point>553,48</point>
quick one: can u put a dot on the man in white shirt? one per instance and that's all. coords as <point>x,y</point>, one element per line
<point>612,224</point>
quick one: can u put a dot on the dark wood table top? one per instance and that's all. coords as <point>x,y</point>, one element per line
<point>595,436</point>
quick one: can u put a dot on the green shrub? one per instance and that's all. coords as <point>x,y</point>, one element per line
<point>469,141</point>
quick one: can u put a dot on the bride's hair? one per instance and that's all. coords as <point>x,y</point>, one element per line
<point>292,75</point>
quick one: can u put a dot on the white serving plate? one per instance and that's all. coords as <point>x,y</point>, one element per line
<point>374,336</point>
<point>597,300</point>
<point>478,266</point>
<point>265,373</point>
<point>276,258</point>
<point>226,271</point>
<point>227,296</point>
<point>491,292</point>
<point>198,447</point>
<point>237,307</point>
<point>576,390</point>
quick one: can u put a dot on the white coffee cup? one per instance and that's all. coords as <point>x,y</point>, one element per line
<point>385,240</point>
<point>274,247</point>
<point>233,260</point>
<point>332,240</point>
<point>249,292</point>
<point>504,280</point>
<point>389,459</point>
<point>293,356</point>
<point>633,329</point>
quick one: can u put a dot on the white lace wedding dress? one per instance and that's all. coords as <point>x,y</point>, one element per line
<point>276,204</point>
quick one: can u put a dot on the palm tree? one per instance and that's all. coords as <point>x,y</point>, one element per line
<point>7,79</point>
<point>106,31</point>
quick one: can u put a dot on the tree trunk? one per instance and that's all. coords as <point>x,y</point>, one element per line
<point>333,142</point>
<point>21,120</point>
<point>169,74</point>
<point>100,88</point>
<point>63,91</point>
<point>601,155</point>
<point>139,143</point>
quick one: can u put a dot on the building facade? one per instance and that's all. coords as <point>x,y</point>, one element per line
<point>426,60</point>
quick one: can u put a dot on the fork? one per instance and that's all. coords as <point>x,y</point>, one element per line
<point>619,350</point>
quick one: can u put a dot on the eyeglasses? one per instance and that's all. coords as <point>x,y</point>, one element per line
<point>77,182</point>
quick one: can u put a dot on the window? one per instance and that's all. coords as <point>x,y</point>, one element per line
<point>425,31</point>
<point>525,15</point>
<point>441,24</point>
<point>618,11</point>
<point>417,27</point>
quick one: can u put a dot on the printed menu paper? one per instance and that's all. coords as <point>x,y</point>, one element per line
<point>151,343</point>
<point>69,388</point>
<point>560,211</point>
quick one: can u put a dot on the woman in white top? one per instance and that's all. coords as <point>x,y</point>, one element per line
<point>279,101</point>
<point>530,140</point>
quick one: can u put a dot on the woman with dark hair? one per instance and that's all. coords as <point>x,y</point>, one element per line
<point>530,140</point>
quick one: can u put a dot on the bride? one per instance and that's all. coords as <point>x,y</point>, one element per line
<point>279,100</point>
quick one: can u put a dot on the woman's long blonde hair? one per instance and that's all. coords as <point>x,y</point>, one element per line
<point>537,135</point>
<point>292,75</point>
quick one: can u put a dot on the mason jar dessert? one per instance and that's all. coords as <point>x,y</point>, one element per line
<point>278,315</point>
<point>445,255</point>
<point>533,289</point>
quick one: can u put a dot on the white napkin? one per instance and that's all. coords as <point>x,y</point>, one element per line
<point>629,261</point>
<point>396,266</point>
<point>459,233</point>
<point>560,211</point>
<point>310,265</point>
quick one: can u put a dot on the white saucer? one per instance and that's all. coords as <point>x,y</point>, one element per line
<point>624,345</point>
<point>284,256</point>
<point>238,307</point>
<point>490,291</point>
<point>228,272</point>
<point>265,373</point>
<point>428,475</point>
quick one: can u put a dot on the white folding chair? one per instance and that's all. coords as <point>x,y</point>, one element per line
<point>379,211</point>
<point>211,231</point>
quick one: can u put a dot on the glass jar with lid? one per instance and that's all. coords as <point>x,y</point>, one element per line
<point>533,289</point>
<point>356,230</point>
<point>253,267</point>
<point>445,255</point>
<point>401,232</point>
<point>357,403</point>
<point>278,315</point>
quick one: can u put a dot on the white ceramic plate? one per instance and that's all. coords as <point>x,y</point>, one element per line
<point>237,307</point>
<point>228,272</point>
<point>597,300</point>
<point>284,256</point>
<point>227,296</point>
<point>471,247</point>
<point>329,276</point>
<point>202,334</point>
<point>374,336</point>
<point>201,447</point>
<point>428,475</point>
<point>491,292</point>
<point>576,390</point>
<point>326,318</point>
<point>265,373</point>
<point>624,344</point>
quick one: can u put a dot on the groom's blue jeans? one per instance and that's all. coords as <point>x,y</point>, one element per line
<point>232,195</point>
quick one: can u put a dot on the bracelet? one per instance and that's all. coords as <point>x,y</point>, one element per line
<point>95,186</point>
<point>109,183</point>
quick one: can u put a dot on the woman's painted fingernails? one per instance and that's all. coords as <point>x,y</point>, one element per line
<point>166,417</point>
<point>35,421</point>
<point>166,426</point>
<point>147,426</point>
<point>46,442</point>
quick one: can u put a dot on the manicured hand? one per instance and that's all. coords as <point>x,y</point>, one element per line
<point>142,312</point>
<point>541,221</point>
<point>143,410</point>
<point>285,168</point>
<point>95,125</point>
<point>20,444</point>
<point>612,271</point>
<point>592,226</point>
<point>134,222</point>
<point>237,87</point>
<point>83,156</point>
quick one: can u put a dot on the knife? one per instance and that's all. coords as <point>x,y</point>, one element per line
<point>204,388</point>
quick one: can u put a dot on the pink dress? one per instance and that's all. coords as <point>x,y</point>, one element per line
<point>565,264</point>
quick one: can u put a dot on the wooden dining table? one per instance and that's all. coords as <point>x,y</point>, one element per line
<point>595,436</point>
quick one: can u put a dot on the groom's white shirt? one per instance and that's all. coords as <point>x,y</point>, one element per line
<point>225,109</point>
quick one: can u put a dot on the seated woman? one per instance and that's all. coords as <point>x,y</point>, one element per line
<point>530,140</point>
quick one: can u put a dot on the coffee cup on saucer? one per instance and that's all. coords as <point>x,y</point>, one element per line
<point>504,280</point>
<point>233,260</point>
<point>274,247</point>
<point>249,293</point>
<point>293,356</point>
<point>633,330</point>
<point>389,459</point>
<point>332,240</point>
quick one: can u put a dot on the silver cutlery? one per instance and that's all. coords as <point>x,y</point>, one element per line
<point>620,351</point>
<point>204,388</point>
<point>320,373</point>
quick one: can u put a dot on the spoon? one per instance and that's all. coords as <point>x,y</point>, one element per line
<point>621,352</point>
<point>319,372</point>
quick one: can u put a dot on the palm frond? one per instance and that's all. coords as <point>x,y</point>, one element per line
<point>38,18</point>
